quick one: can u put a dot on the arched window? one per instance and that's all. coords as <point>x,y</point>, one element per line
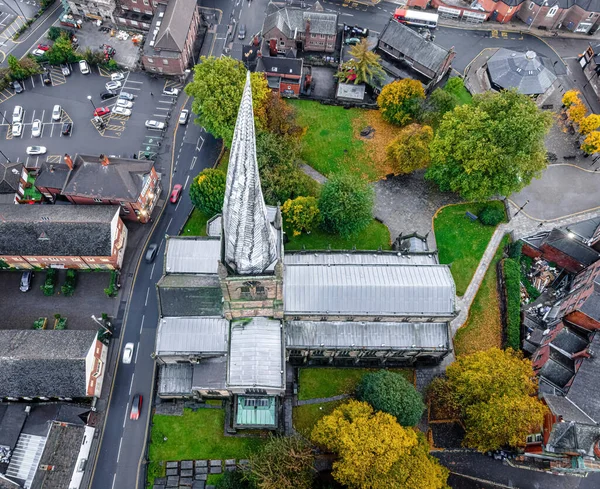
<point>552,11</point>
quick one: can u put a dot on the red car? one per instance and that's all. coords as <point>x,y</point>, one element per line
<point>176,193</point>
<point>43,47</point>
<point>100,111</point>
<point>136,407</point>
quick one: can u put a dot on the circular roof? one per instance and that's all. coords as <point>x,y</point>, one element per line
<point>526,72</point>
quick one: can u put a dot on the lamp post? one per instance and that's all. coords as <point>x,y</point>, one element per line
<point>89,97</point>
<point>521,208</point>
<point>102,324</point>
<point>544,4</point>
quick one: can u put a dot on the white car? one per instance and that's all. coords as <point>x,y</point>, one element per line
<point>113,85</point>
<point>124,103</point>
<point>171,91</point>
<point>117,76</point>
<point>17,129</point>
<point>84,67</point>
<point>56,113</point>
<point>122,111</point>
<point>128,353</point>
<point>38,52</point>
<point>155,125</point>
<point>183,117</point>
<point>36,128</point>
<point>126,96</point>
<point>36,150</point>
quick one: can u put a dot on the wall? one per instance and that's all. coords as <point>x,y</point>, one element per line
<point>95,365</point>
<point>582,320</point>
<point>552,254</point>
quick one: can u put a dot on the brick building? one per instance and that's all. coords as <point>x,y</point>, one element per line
<point>93,9</point>
<point>62,236</point>
<point>284,75</point>
<point>169,48</point>
<point>136,13</point>
<point>14,179</point>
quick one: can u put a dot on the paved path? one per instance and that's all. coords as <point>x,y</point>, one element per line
<point>319,400</point>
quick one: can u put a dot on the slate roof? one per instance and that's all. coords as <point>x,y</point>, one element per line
<point>401,290</point>
<point>573,437</point>
<point>585,389</point>
<point>587,5</point>
<point>527,72</point>
<point>214,225</point>
<point>122,179</point>
<point>175,379</point>
<point>289,20</point>
<point>44,363</point>
<point>175,25</point>
<point>190,295</point>
<point>12,418</point>
<point>211,373</point>
<point>569,341</point>
<point>412,45</point>
<point>591,306</point>
<point>52,175</point>
<point>192,254</point>
<point>571,247</point>
<point>58,230</point>
<point>558,369</point>
<point>188,335</point>
<point>9,181</point>
<point>281,66</point>
<point>584,230</point>
<point>566,409</point>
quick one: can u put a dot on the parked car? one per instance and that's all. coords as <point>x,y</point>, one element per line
<point>136,407</point>
<point>56,113</point>
<point>242,31</point>
<point>26,279</point>
<point>17,129</point>
<point>171,91</point>
<point>355,31</point>
<point>124,103</point>
<point>46,78</point>
<point>183,117</point>
<point>126,96</point>
<point>155,125</point>
<point>128,353</point>
<point>351,41</point>
<point>84,67</point>
<point>108,94</point>
<point>151,252</point>
<point>67,127</point>
<point>117,76</point>
<point>43,47</point>
<point>113,85</point>
<point>17,114</point>
<point>176,193</point>
<point>36,128</point>
<point>36,150</point>
<point>17,87</point>
<point>38,52</point>
<point>66,71</point>
<point>121,111</point>
<point>100,111</point>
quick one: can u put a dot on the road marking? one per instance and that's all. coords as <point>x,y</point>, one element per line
<point>136,352</point>
<point>186,182</point>
<point>114,477</point>
<point>179,202</point>
<point>201,144</point>
<point>142,325</point>
<point>119,453</point>
<point>147,294</point>
<point>131,385</point>
<point>193,163</point>
<point>170,221</point>
<point>162,108</point>
<point>152,271</point>
<point>126,409</point>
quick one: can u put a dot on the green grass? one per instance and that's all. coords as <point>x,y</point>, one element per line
<point>463,96</point>
<point>462,242</point>
<point>305,417</point>
<point>483,329</point>
<point>329,145</point>
<point>213,479</point>
<point>195,435</point>
<point>196,224</point>
<point>374,236</point>
<point>327,382</point>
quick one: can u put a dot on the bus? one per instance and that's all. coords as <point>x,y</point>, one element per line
<point>416,18</point>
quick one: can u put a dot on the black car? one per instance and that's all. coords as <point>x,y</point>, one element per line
<point>67,127</point>
<point>46,78</point>
<point>17,87</point>
<point>355,31</point>
<point>151,253</point>
<point>108,94</point>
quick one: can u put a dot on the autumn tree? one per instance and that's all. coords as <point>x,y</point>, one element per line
<point>280,118</point>
<point>577,113</point>
<point>364,67</point>
<point>207,191</point>
<point>284,462</point>
<point>391,393</point>
<point>494,146</point>
<point>439,102</point>
<point>591,143</point>
<point>21,69</point>
<point>302,214</point>
<point>217,90</point>
<point>400,101</point>
<point>571,97</point>
<point>589,124</point>
<point>409,151</point>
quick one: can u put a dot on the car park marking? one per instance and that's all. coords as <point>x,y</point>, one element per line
<point>6,94</point>
<point>104,72</point>
<point>9,134</point>
<point>56,76</point>
<point>53,159</point>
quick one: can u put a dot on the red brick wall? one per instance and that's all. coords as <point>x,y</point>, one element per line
<point>286,86</point>
<point>552,254</point>
<point>580,319</point>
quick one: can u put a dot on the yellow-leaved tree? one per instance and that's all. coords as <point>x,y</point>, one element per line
<point>591,144</point>
<point>577,113</point>
<point>589,124</point>
<point>302,214</point>
<point>409,151</point>
<point>400,101</point>
<point>571,97</point>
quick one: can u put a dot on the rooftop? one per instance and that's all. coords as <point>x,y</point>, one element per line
<point>10,174</point>
<point>53,175</point>
<point>290,20</point>
<point>189,335</point>
<point>175,379</point>
<point>280,65</point>
<point>173,24</point>
<point>585,389</point>
<point>190,295</point>
<point>192,254</point>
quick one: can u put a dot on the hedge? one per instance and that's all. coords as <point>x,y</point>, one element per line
<point>511,270</point>
<point>112,290</point>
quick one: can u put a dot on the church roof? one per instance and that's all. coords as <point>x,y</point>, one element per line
<point>250,242</point>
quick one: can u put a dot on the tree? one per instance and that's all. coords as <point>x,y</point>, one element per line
<point>571,97</point>
<point>492,215</point>
<point>61,52</point>
<point>280,117</point>
<point>346,204</point>
<point>284,462</point>
<point>391,393</point>
<point>207,191</point>
<point>217,90</point>
<point>17,72</point>
<point>400,101</point>
<point>302,213</point>
<point>235,479</point>
<point>440,101</point>
<point>455,86</point>
<point>364,67</point>
<point>93,57</point>
<point>409,151</point>
<point>494,146</point>
<point>589,124</point>
<point>591,144</point>
<point>577,113</point>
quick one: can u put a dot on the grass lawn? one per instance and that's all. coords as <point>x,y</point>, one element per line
<point>462,242</point>
<point>328,382</point>
<point>196,224</point>
<point>463,95</point>
<point>305,417</point>
<point>195,435</point>
<point>483,329</point>
<point>374,236</point>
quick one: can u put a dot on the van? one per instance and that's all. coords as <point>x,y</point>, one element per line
<point>84,67</point>
<point>56,113</point>
<point>18,114</point>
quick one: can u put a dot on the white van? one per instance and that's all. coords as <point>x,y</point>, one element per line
<point>56,113</point>
<point>84,67</point>
<point>18,114</point>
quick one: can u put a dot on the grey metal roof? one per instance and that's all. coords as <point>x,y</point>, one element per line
<point>526,72</point>
<point>369,289</point>
<point>349,91</point>
<point>384,335</point>
<point>566,409</point>
<point>213,226</point>
<point>192,254</point>
<point>12,418</point>
<point>186,335</point>
<point>211,373</point>
<point>255,354</point>
<point>290,20</point>
<point>352,257</point>
<point>175,25</point>
<point>175,379</point>
<point>56,230</point>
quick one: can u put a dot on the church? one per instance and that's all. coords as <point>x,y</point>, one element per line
<point>236,311</point>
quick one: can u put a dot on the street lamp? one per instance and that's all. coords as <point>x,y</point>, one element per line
<point>544,4</point>
<point>89,97</point>
<point>101,323</point>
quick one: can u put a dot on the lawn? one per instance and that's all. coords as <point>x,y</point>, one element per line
<point>327,382</point>
<point>463,95</point>
<point>195,435</point>
<point>483,329</point>
<point>305,417</point>
<point>376,235</point>
<point>196,224</point>
<point>462,242</point>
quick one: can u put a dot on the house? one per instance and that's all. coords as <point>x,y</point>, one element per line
<point>62,236</point>
<point>590,64</point>
<point>169,49</point>
<point>51,364</point>
<point>136,13</point>
<point>284,75</point>
<point>582,305</point>
<point>14,179</point>
<point>235,309</point>
<point>93,9</point>
<point>407,54</point>
<point>305,30</point>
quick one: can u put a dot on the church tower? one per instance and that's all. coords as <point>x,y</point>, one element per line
<point>251,265</point>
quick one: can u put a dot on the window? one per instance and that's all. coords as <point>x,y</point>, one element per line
<point>146,2</point>
<point>135,9</point>
<point>531,4</point>
<point>150,60</point>
<point>133,1</point>
<point>165,61</point>
<point>99,201</point>
<point>98,369</point>
<point>125,210</point>
<point>552,11</point>
<point>536,438</point>
<point>591,15</point>
<point>133,23</point>
<point>148,12</point>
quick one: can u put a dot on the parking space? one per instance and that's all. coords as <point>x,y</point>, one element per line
<point>9,25</point>
<point>49,127</point>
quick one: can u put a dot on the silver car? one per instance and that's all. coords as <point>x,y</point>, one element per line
<point>36,128</point>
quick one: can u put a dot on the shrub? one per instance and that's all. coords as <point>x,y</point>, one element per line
<point>302,213</point>
<point>112,290</point>
<point>207,191</point>
<point>511,271</point>
<point>111,65</point>
<point>233,480</point>
<point>50,282</point>
<point>391,393</point>
<point>54,33</point>
<point>515,249</point>
<point>68,288</point>
<point>60,322</point>
<point>40,323</point>
<point>491,215</point>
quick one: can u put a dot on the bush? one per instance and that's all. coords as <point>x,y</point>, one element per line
<point>40,323</point>
<point>55,32</point>
<point>68,288</point>
<point>233,480</point>
<point>112,290</point>
<point>60,322</point>
<point>515,250</point>
<point>111,65</point>
<point>302,214</point>
<point>391,393</point>
<point>50,282</point>
<point>492,215</point>
<point>511,271</point>
<point>207,191</point>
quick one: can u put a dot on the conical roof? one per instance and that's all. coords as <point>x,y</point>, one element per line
<point>527,72</point>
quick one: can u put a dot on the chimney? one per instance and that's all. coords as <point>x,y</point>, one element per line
<point>307,30</point>
<point>581,354</point>
<point>104,160</point>
<point>68,161</point>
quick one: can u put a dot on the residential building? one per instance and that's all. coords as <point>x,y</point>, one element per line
<point>14,179</point>
<point>136,13</point>
<point>284,75</point>
<point>590,63</point>
<point>62,236</point>
<point>93,9</point>
<point>303,30</point>
<point>51,364</point>
<point>236,312</point>
<point>170,47</point>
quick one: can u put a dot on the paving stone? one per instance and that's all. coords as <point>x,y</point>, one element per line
<point>216,470</point>
<point>187,464</point>
<point>172,465</point>
<point>186,473</point>
<point>199,485</point>
<point>173,481</point>
<point>244,461</point>
<point>158,486</point>
<point>160,480</point>
<point>201,477</point>
<point>172,472</point>
<point>201,463</point>
<point>230,468</point>
<point>186,481</point>
<point>230,461</point>
<point>201,470</point>
<point>216,463</point>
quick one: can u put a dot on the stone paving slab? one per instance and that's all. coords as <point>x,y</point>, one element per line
<point>201,470</point>
<point>172,465</point>
<point>187,464</point>
<point>172,472</point>
<point>186,473</point>
<point>201,477</point>
<point>216,463</point>
<point>216,470</point>
<point>201,463</point>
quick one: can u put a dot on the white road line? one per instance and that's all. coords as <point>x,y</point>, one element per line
<point>201,144</point>
<point>152,271</point>
<point>164,102</point>
<point>193,162</point>
<point>33,116</point>
<point>186,182</point>
<point>131,385</point>
<point>51,129</point>
<point>147,294</point>
<point>179,202</point>
<point>114,478</point>
<point>119,452</point>
<point>142,325</point>
<point>170,221</point>
<point>133,81</point>
<point>125,418</point>
<point>162,108</point>
<point>32,82</point>
<point>136,352</point>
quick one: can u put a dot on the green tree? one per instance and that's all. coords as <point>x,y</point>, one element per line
<point>17,72</point>
<point>492,215</point>
<point>400,101</point>
<point>93,58</point>
<point>409,151</point>
<point>302,214</point>
<point>280,118</point>
<point>439,102</point>
<point>346,204</point>
<point>494,146</point>
<point>207,191</point>
<point>455,86</point>
<point>217,89</point>
<point>284,462</point>
<point>61,52</point>
<point>364,67</point>
<point>391,393</point>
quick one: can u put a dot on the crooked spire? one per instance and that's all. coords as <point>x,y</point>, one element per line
<point>250,242</point>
